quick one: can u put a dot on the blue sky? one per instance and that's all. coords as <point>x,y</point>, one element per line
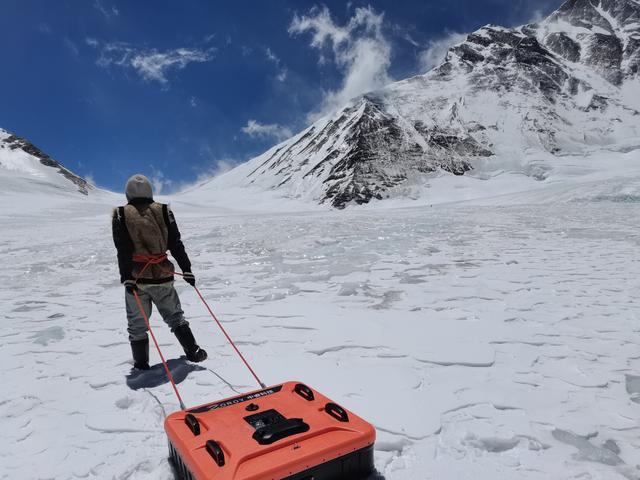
<point>183,89</point>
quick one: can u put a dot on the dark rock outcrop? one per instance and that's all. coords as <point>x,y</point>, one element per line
<point>13,142</point>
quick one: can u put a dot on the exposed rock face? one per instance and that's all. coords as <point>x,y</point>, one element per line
<point>13,142</point>
<point>561,44</point>
<point>553,87</point>
<point>609,29</point>
<point>365,151</point>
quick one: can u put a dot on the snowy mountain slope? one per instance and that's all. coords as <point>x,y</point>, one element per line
<point>25,168</point>
<point>563,86</point>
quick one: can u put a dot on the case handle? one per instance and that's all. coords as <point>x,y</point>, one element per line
<point>336,411</point>
<point>216,452</point>
<point>192,423</point>
<point>304,391</point>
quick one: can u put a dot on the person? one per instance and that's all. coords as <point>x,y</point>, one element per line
<point>143,231</point>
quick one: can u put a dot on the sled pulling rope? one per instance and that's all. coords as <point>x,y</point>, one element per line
<point>156,260</point>
<point>247,436</point>
<point>213,315</point>
<point>164,363</point>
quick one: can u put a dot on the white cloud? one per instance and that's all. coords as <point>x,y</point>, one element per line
<point>108,12</point>
<point>272,56</point>
<point>217,168</point>
<point>216,165</point>
<point>221,167</point>
<point>153,65</point>
<point>90,179</point>
<point>358,48</point>
<point>437,50</point>
<point>159,181</point>
<point>281,76</point>
<point>150,64</point>
<point>537,16</point>
<point>259,130</point>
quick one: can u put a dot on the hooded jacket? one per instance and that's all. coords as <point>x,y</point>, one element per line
<point>145,227</point>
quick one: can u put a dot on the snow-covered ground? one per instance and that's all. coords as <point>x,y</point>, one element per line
<point>495,342</point>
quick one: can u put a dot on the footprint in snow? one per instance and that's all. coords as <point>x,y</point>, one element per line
<point>633,387</point>
<point>51,334</point>
<point>124,402</point>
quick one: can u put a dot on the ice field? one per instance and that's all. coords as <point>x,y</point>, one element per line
<point>488,342</point>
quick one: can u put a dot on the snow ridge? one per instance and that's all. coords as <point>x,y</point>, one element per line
<point>21,162</point>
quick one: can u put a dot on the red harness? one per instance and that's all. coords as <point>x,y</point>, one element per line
<point>150,259</point>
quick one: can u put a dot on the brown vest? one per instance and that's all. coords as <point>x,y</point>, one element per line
<point>149,233</point>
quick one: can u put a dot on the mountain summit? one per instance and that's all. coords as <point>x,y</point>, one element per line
<point>566,85</point>
<point>21,162</point>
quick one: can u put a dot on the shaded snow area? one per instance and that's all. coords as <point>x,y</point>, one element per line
<point>482,342</point>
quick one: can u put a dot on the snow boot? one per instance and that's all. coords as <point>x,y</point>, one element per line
<point>191,349</point>
<point>140,351</point>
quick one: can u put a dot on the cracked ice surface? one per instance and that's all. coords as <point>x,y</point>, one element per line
<point>494,343</point>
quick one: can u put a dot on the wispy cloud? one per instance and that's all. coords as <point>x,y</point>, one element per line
<point>216,165</point>
<point>259,130</point>
<point>152,65</point>
<point>90,179</point>
<point>216,168</point>
<point>44,28</point>
<point>220,167</point>
<point>108,12</point>
<point>437,49</point>
<point>537,16</point>
<point>159,181</point>
<point>273,58</point>
<point>359,48</point>
<point>71,46</point>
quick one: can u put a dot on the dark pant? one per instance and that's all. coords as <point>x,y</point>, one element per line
<point>166,300</point>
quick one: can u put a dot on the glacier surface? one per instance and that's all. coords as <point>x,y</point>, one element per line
<point>494,338</point>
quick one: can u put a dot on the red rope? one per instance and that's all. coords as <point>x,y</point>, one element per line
<point>155,260</point>
<point>213,315</point>
<point>166,367</point>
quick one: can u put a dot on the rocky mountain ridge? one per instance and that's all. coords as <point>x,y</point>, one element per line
<point>556,87</point>
<point>11,145</point>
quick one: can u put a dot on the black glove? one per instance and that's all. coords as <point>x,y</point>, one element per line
<point>190,278</point>
<point>130,286</point>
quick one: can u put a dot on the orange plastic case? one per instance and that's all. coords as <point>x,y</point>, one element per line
<point>285,432</point>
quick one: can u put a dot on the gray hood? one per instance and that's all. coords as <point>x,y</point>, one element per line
<point>138,186</point>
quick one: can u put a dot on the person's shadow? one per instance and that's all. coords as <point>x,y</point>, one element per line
<point>154,377</point>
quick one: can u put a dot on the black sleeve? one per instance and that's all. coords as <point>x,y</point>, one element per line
<point>175,245</point>
<point>123,244</point>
